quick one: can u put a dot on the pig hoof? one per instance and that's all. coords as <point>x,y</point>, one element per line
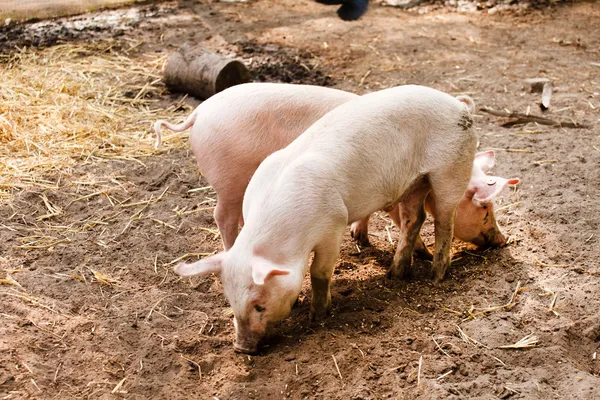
<point>319,315</point>
<point>396,273</point>
<point>437,277</point>
<point>244,350</point>
<point>361,238</point>
<point>423,254</point>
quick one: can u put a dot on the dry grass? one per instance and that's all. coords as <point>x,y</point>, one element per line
<point>525,343</point>
<point>474,311</point>
<point>76,104</point>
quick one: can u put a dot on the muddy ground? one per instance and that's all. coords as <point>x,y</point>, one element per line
<point>104,317</point>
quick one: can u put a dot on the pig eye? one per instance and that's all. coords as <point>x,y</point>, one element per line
<point>259,308</point>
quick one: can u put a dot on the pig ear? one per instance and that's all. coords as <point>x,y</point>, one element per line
<point>489,187</point>
<point>205,266</point>
<point>485,160</point>
<point>261,271</point>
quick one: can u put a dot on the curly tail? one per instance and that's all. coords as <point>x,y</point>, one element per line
<point>467,101</point>
<point>191,119</point>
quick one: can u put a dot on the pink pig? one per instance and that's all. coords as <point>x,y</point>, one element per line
<point>236,129</point>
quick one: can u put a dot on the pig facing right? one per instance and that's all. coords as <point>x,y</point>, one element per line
<point>392,147</point>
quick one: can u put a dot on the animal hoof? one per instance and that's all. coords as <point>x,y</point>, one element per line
<point>361,238</point>
<point>317,316</point>
<point>396,274</point>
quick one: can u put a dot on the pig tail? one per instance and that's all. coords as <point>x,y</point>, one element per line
<point>467,101</point>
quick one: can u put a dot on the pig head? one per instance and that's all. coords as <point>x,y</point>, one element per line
<point>475,220</point>
<point>259,291</point>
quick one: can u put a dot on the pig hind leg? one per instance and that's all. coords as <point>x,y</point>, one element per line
<point>448,189</point>
<point>228,215</point>
<point>408,215</point>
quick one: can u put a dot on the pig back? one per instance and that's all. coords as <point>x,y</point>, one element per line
<point>239,127</point>
<point>380,143</point>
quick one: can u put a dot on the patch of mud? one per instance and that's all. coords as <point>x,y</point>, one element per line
<point>267,62</point>
<point>272,63</point>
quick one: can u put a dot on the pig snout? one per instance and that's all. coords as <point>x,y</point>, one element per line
<point>247,347</point>
<point>246,341</point>
<point>498,241</point>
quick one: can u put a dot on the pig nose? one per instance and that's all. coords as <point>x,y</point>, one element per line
<point>245,349</point>
<point>500,240</point>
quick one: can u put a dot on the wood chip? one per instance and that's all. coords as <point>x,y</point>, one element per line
<point>516,118</point>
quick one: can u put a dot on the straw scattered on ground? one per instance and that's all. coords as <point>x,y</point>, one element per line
<point>77,104</point>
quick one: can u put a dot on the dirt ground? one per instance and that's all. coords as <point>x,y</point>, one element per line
<point>99,314</point>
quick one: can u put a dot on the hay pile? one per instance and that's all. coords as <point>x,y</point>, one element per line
<point>77,104</point>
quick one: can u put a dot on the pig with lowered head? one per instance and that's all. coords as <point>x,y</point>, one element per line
<point>395,146</point>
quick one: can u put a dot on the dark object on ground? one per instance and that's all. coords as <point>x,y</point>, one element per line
<point>520,119</point>
<point>350,10</point>
<point>194,70</point>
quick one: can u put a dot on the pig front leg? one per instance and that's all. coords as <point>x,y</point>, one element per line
<point>360,231</point>
<point>321,270</point>
<point>408,215</point>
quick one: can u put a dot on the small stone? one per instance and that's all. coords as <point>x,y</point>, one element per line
<point>304,359</point>
<point>510,278</point>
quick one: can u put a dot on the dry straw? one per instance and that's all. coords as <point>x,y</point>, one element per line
<point>76,104</point>
<point>525,343</point>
